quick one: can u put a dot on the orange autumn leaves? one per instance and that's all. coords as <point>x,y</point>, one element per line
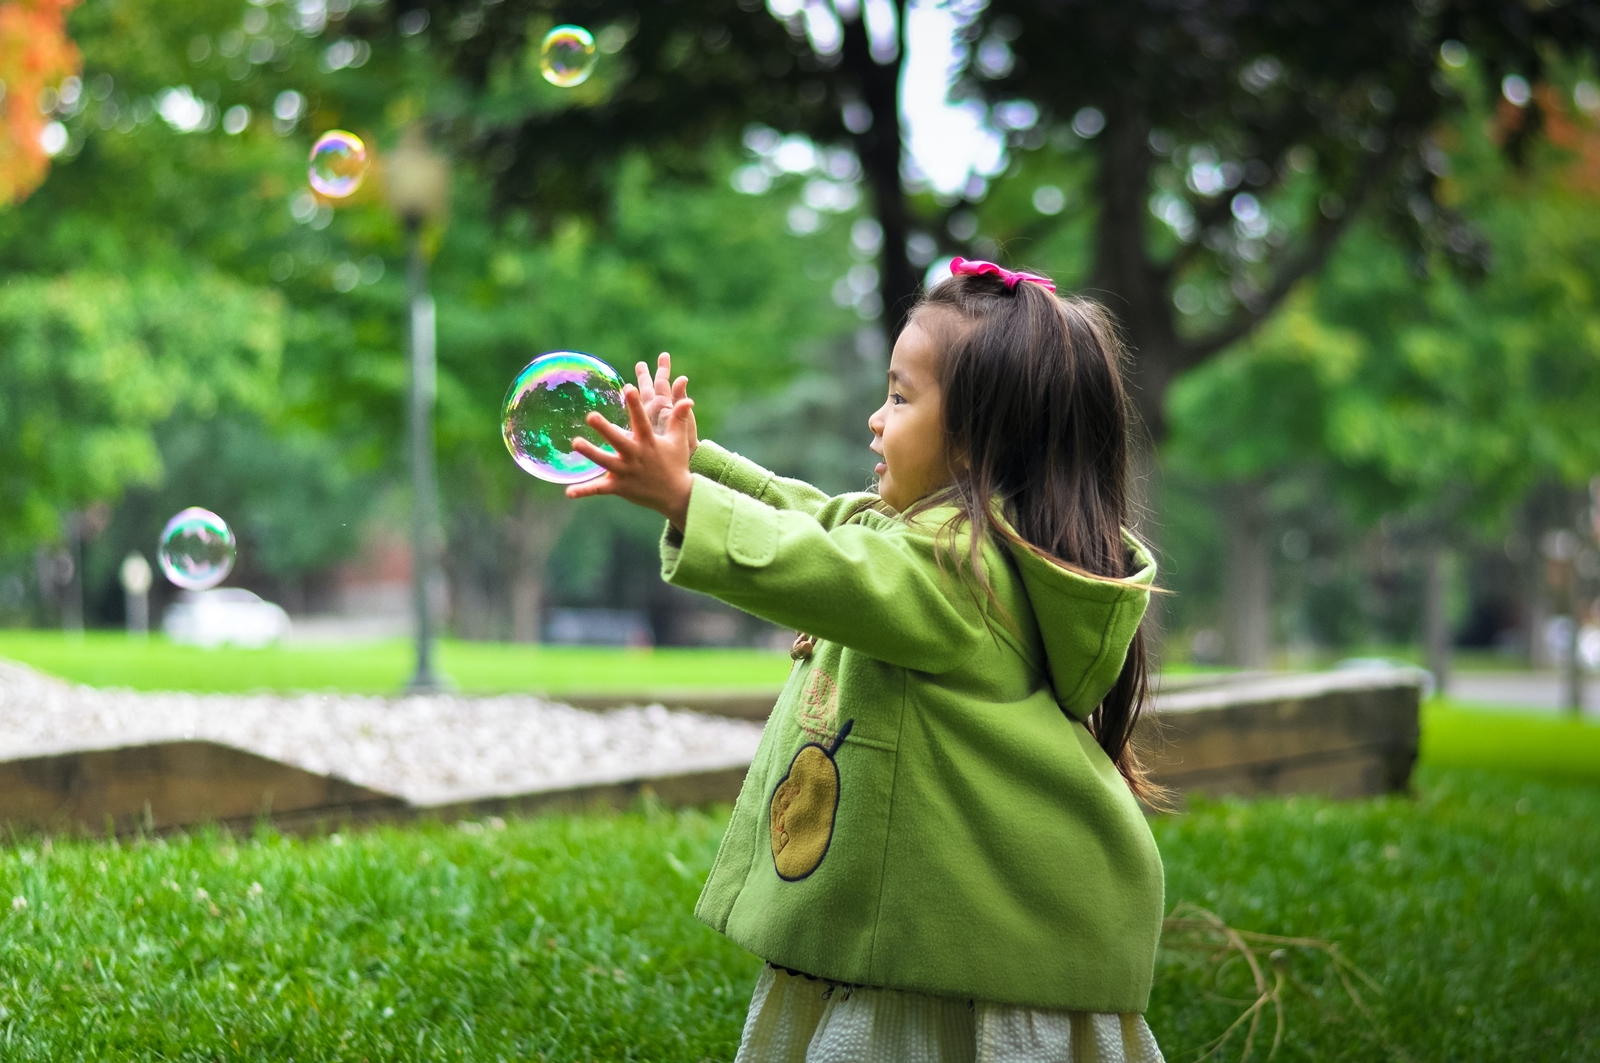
<point>35,52</point>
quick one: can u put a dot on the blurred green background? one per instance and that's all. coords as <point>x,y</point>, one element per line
<point>1356,268</point>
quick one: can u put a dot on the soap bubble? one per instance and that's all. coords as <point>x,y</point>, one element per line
<point>566,58</point>
<point>545,409</point>
<point>196,549</point>
<point>338,163</point>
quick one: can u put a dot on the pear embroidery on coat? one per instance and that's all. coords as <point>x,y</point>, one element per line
<point>803,808</point>
<point>819,706</point>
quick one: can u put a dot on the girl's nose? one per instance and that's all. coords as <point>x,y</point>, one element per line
<point>876,421</point>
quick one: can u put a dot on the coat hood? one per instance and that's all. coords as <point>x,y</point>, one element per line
<point>1085,623</point>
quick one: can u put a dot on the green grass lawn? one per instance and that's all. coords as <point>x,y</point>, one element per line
<point>570,937</point>
<point>1470,902</point>
<point>110,659</point>
<point>1543,745</point>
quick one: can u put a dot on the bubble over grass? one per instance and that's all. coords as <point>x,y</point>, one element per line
<point>566,58</point>
<point>338,164</point>
<point>196,550</point>
<point>545,409</point>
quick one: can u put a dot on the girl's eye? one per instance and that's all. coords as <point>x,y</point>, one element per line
<point>895,397</point>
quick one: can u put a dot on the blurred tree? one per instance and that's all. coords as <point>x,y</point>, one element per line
<point>93,363</point>
<point>1234,142</point>
<point>184,164</point>
<point>1255,131</point>
<point>1433,400</point>
<point>815,429</point>
<point>674,80</point>
<point>701,271</point>
<point>147,282</point>
<point>35,57</point>
<point>1253,134</point>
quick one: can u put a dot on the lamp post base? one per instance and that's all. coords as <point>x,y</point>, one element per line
<point>427,681</point>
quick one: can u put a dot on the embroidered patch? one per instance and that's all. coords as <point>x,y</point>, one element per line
<point>819,706</point>
<point>803,807</point>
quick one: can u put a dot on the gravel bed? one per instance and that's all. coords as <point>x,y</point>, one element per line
<point>427,749</point>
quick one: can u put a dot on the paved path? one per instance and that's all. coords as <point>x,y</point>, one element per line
<point>1534,691</point>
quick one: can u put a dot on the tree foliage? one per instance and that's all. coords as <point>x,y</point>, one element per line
<point>35,56</point>
<point>680,78</point>
<point>1424,394</point>
<point>1235,142</point>
<point>1256,131</point>
<point>93,363</point>
<point>184,174</point>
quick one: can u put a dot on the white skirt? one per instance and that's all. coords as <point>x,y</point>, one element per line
<point>796,1019</point>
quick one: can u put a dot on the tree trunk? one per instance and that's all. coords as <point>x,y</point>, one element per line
<point>71,571</point>
<point>1247,594</point>
<point>881,150</point>
<point>1144,488</point>
<point>478,557</point>
<point>1570,659</point>
<point>1572,665</point>
<point>1132,287</point>
<point>1436,635</point>
<point>471,560</point>
<point>531,532</point>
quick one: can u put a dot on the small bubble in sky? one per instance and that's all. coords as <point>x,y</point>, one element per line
<point>338,163</point>
<point>196,550</point>
<point>566,58</point>
<point>545,409</point>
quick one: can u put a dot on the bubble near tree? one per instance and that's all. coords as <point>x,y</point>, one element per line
<point>566,58</point>
<point>338,164</point>
<point>545,409</point>
<point>196,550</point>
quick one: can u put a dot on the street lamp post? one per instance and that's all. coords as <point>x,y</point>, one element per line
<point>417,183</point>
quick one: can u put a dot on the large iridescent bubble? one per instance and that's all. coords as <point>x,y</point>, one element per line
<point>566,58</point>
<point>196,550</point>
<point>338,163</point>
<point>545,409</point>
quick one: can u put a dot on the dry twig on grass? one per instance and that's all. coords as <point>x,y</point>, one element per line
<point>1191,928</point>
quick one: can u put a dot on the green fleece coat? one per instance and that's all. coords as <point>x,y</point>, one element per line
<point>926,810</point>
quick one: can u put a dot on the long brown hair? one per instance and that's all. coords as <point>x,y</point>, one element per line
<point>1037,423</point>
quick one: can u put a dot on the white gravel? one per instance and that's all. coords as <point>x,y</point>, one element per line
<point>429,750</point>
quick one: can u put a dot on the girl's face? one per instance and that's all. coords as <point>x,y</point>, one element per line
<point>908,429</point>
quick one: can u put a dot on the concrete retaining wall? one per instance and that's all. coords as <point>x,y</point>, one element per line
<point>164,785</point>
<point>1346,734</point>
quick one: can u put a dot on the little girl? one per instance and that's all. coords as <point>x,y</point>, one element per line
<point>938,849</point>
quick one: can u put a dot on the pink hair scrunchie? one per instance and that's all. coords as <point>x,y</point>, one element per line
<point>973,268</point>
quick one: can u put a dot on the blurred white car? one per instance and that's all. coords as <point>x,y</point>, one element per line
<point>1556,635</point>
<point>231,615</point>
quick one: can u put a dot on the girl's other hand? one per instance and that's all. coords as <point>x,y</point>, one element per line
<point>661,393</point>
<point>650,468</point>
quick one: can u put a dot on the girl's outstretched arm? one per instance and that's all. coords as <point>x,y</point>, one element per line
<point>878,589</point>
<point>660,392</point>
<point>878,585</point>
<point>779,492</point>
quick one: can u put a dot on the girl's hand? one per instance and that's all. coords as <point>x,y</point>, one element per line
<point>660,394</point>
<point>650,468</point>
